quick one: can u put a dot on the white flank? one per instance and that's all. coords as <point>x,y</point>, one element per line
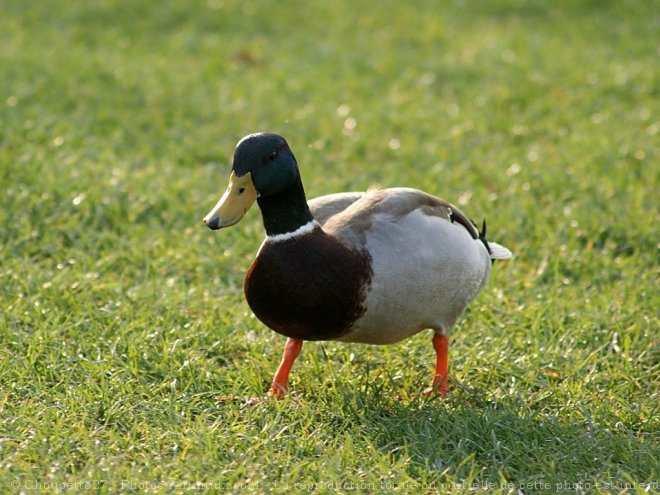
<point>499,252</point>
<point>302,230</point>
<point>426,270</point>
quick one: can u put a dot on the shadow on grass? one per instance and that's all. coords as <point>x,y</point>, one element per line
<point>466,437</point>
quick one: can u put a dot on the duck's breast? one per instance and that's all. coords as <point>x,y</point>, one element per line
<point>311,288</point>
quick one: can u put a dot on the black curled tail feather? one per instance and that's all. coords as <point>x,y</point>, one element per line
<point>482,235</point>
<point>456,216</point>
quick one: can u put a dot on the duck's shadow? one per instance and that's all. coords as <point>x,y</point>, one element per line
<point>466,436</point>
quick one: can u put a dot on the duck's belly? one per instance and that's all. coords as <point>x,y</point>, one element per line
<point>425,272</point>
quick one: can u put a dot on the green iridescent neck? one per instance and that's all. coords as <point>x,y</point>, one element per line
<point>285,211</point>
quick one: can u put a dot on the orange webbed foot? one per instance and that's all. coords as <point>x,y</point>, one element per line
<point>280,386</point>
<point>436,388</point>
<point>439,384</point>
<point>278,390</point>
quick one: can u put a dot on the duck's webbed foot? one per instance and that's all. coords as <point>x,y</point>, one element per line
<point>280,385</point>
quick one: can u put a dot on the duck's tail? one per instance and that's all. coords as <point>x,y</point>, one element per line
<point>495,250</point>
<point>499,252</point>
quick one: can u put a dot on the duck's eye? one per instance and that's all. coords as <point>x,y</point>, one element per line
<point>272,156</point>
<point>241,190</point>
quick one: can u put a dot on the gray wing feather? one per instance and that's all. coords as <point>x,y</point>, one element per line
<point>350,215</point>
<point>327,206</point>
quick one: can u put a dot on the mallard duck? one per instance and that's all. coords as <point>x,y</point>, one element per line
<point>374,267</point>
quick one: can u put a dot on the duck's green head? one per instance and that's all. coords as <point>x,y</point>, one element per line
<point>263,166</point>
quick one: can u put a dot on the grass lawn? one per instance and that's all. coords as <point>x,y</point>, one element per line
<point>127,351</point>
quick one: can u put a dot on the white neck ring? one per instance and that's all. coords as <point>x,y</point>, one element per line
<point>300,231</point>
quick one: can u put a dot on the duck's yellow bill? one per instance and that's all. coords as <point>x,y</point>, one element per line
<point>233,204</point>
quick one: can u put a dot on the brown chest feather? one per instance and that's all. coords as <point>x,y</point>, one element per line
<point>310,288</point>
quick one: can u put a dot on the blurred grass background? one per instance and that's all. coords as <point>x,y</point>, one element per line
<point>122,321</point>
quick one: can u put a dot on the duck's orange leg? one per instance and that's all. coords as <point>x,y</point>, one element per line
<point>280,385</point>
<point>441,347</point>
